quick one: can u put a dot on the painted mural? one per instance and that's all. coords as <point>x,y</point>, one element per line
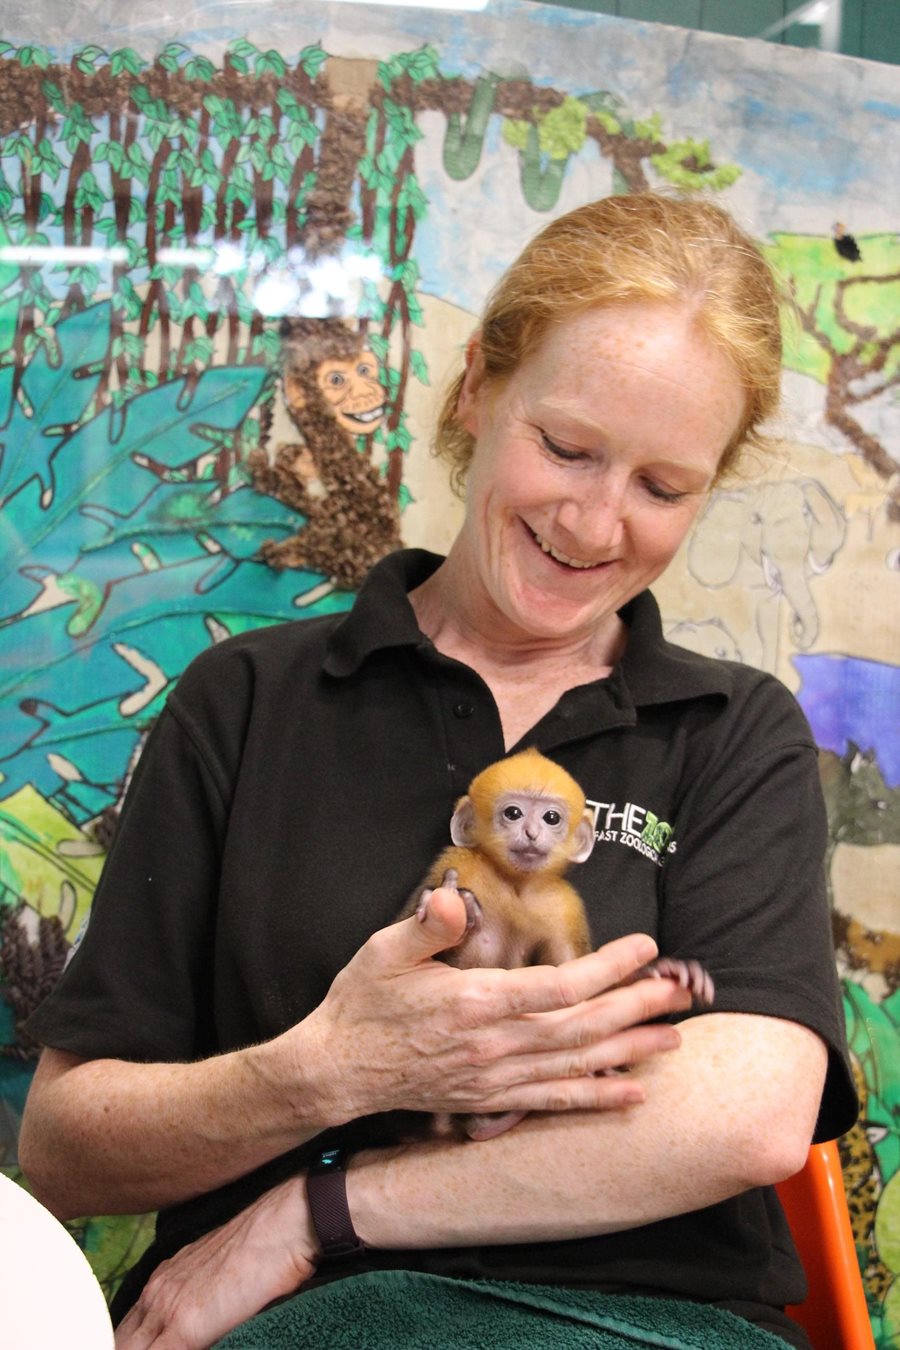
<point>238,257</point>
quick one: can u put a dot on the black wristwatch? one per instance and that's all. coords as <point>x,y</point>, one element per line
<point>326,1191</point>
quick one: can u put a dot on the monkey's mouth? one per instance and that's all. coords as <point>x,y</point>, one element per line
<point>527,859</point>
<point>364,418</point>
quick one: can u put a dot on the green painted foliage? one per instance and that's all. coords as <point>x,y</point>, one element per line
<point>562,131</point>
<point>811,270</point>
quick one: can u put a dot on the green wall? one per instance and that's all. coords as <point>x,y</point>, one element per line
<point>869,28</point>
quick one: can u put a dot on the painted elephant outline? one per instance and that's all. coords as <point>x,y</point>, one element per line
<point>789,532</point>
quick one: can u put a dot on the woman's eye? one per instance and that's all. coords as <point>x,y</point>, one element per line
<point>662,494</point>
<point>568,456</point>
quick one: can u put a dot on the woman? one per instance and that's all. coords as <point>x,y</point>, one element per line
<point>229,1003</point>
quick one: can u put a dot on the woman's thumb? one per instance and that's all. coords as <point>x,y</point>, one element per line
<point>440,922</point>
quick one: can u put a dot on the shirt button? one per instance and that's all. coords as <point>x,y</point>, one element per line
<point>463,709</point>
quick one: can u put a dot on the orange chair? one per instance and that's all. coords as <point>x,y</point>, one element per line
<point>834,1313</point>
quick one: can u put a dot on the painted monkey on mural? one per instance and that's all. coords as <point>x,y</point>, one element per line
<point>334,396</point>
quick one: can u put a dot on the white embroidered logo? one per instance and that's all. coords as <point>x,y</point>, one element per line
<point>634,826</point>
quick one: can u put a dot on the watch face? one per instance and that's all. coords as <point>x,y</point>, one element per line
<point>329,1160</point>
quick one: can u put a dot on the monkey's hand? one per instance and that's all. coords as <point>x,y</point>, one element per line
<point>450,882</point>
<point>690,975</point>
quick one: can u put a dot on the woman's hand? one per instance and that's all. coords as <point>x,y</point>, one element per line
<point>400,1031</point>
<point>227,1276</point>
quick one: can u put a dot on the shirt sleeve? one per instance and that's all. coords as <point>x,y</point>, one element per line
<point>745,889</point>
<point>139,985</point>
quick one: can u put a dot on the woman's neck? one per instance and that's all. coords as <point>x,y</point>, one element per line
<point>526,673</point>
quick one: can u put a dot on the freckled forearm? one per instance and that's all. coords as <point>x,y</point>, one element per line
<point>695,1141</point>
<point>109,1136</point>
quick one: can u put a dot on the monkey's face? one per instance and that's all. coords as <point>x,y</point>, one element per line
<point>531,831</point>
<point>352,392</point>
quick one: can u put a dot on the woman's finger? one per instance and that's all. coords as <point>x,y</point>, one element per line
<point>622,1051</point>
<point>534,989</point>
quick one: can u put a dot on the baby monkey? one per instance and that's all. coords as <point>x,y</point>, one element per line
<point>517,829</point>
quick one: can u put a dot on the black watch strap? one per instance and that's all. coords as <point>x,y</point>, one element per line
<point>326,1190</point>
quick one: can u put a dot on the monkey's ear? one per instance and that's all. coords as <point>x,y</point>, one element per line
<point>462,823</point>
<point>583,839</point>
<point>294,390</point>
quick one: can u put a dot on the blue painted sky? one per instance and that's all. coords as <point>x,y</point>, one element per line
<point>848,699</point>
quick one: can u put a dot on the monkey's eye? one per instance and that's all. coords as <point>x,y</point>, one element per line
<point>552,817</point>
<point>336,379</point>
<point>363,369</point>
<point>513,812</point>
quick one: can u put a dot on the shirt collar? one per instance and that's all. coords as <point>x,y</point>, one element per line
<point>656,671</point>
<point>652,670</point>
<point>382,615</point>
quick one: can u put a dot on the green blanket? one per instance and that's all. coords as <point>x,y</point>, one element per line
<point>406,1310</point>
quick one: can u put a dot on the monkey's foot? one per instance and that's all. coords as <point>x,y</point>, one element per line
<point>489,1126</point>
<point>450,882</point>
<point>689,974</point>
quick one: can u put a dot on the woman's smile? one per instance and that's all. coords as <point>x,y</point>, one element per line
<point>559,557</point>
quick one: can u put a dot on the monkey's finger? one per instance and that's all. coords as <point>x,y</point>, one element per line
<point>474,914</point>
<point>701,984</point>
<point>422,906</point>
<point>690,974</point>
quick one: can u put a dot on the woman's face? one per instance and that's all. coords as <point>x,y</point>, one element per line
<point>590,464</point>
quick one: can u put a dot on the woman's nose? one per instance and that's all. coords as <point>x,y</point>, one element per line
<point>596,520</point>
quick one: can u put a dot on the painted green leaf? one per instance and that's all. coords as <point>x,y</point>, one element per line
<point>515,132</point>
<point>419,367</point>
<point>53,94</point>
<point>200,68</point>
<point>87,58</point>
<point>127,59</point>
<point>423,64</point>
<point>33,56</point>
<point>562,131</point>
<point>271,60</point>
<point>312,59</point>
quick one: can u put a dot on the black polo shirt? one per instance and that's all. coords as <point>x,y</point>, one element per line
<point>294,791</point>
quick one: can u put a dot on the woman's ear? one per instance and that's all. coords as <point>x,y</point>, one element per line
<point>468,403</point>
